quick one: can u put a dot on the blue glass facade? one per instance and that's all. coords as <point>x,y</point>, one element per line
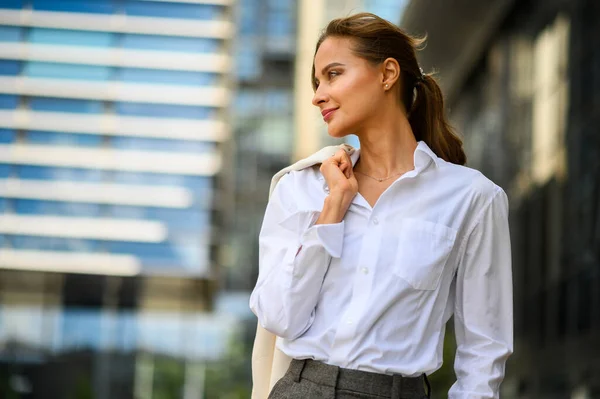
<point>54,173</point>
<point>127,7</point>
<point>192,220</point>
<point>109,226</point>
<point>387,9</point>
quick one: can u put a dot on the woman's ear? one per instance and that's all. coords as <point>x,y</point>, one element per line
<point>391,72</point>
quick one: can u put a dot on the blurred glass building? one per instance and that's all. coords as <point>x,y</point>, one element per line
<point>115,191</point>
<point>522,82</point>
<point>262,124</point>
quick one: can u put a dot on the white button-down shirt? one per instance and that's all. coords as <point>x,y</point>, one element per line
<point>375,291</point>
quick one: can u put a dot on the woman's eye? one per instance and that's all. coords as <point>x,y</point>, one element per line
<point>333,74</point>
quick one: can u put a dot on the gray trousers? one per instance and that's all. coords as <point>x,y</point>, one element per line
<point>310,379</point>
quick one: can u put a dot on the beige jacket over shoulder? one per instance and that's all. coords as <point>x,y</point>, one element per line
<point>269,364</point>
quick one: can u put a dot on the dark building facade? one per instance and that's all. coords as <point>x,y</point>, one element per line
<point>522,84</point>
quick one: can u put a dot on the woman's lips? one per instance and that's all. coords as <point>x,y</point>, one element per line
<point>328,114</point>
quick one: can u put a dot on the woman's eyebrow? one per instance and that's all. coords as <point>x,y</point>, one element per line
<point>333,64</point>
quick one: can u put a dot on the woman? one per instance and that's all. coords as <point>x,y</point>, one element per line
<point>364,259</point>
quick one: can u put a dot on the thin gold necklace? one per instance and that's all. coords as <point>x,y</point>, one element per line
<point>379,179</point>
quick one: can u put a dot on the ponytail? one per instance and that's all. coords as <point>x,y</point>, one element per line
<point>428,121</point>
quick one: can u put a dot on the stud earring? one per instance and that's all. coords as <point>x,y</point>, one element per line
<point>387,85</point>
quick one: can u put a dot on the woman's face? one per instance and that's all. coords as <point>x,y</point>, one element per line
<point>349,89</point>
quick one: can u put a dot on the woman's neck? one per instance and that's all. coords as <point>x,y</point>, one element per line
<point>387,147</point>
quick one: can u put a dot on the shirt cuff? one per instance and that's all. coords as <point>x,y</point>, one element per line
<point>329,236</point>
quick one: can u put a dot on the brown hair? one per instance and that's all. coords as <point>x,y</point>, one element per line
<point>375,40</point>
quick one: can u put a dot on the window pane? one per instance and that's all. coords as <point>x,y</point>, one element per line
<point>66,105</point>
<point>8,101</point>
<point>164,254</point>
<point>247,17</point>
<point>7,136</point>
<point>278,101</point>
<point>136,143</point>
<point>37,207</point>
<point>10,33</point>
<point>247,60</point>
<point>279,24</point>
<point>248,102</point>
<point>185,44</point>
<point>4,170</point>
<point>81,329</point>
<point>53,173</point>
<point>165,110</point>
<point>71,37</point>
<point>173,10</point>
<point>12,3</point>
<point>88,6</point>
<point>55,244</point>
<point>287,5</point>
<point>10,67</point>
<point>53,138</point>
<point>196,221</point>
<point>187,219</point>
<point>197,183</point>
<point>66,71</point>
<point>167,77</point>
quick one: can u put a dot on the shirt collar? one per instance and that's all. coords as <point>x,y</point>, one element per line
<point>423,149</point>
<point>421,157</point>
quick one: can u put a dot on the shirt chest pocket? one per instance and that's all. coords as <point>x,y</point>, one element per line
<point>422,252</point>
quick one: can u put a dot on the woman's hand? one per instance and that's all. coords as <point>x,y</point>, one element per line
<point>342,184</point>
<point>339,175</point>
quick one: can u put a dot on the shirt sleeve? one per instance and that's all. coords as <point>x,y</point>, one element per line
<point>294,255</point>
<point>483,310</point>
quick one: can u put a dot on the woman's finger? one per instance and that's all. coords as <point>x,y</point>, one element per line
<point>347,164</point>
<point>342,161</point>
<point>344,169</point>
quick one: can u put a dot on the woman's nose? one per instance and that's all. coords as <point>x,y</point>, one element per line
<point>319,97</point>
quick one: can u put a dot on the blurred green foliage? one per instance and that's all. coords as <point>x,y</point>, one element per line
<point>231,377</point>
<point>442,379</point>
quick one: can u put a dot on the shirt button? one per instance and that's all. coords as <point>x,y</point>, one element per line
<point>364,270</point>
<point>349,321</point>
<point>375,221</point>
